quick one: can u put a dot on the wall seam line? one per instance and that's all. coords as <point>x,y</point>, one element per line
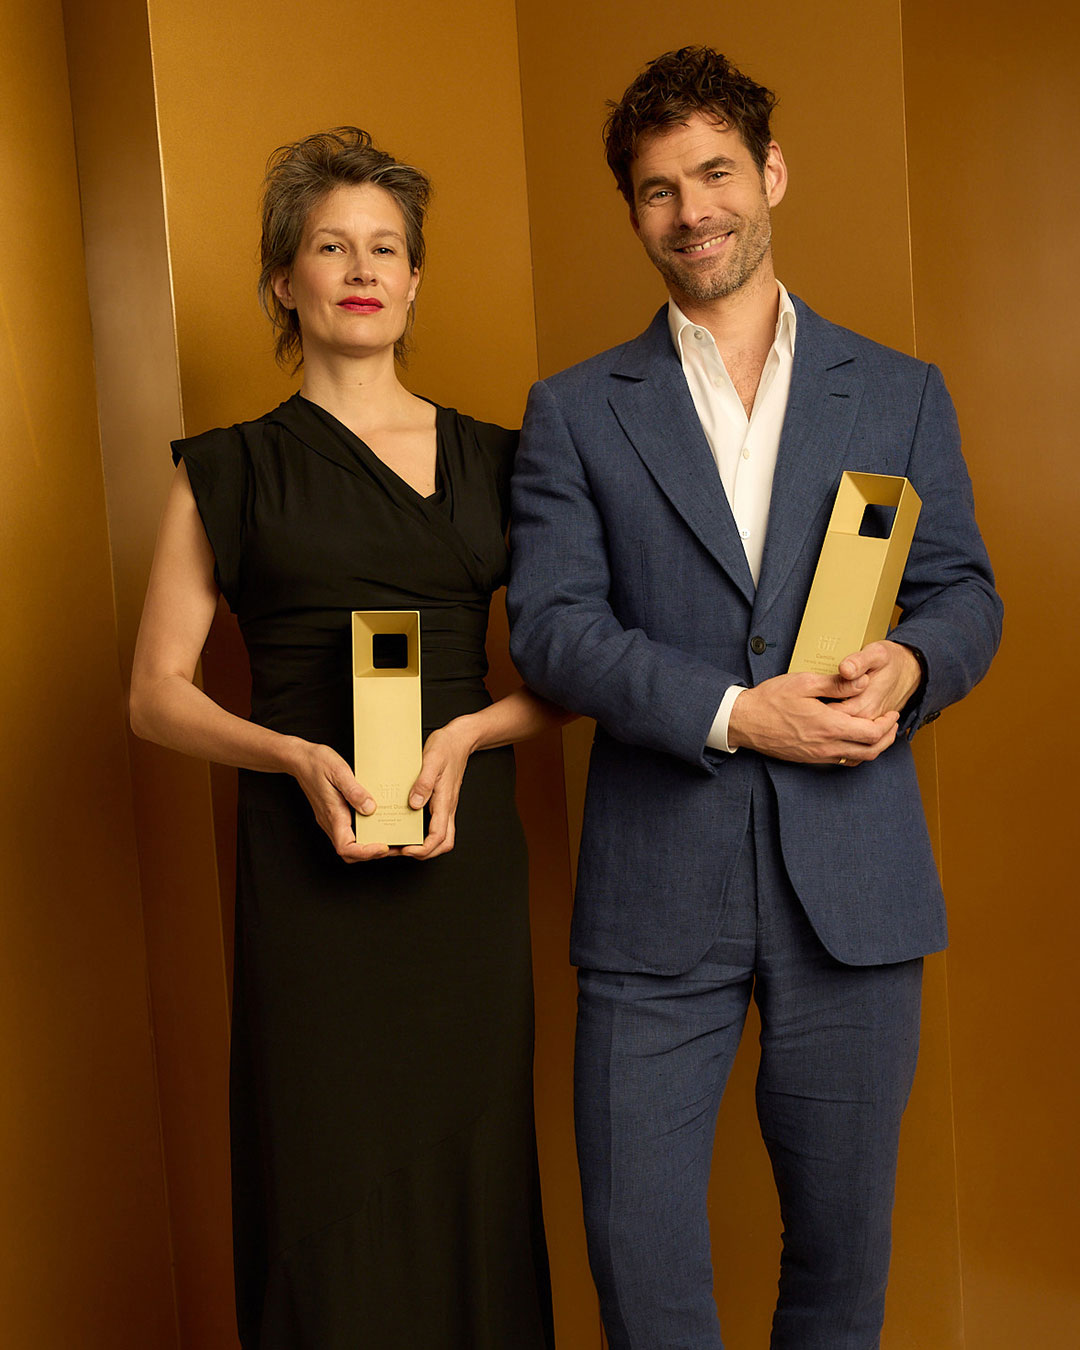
<point>937,763</point>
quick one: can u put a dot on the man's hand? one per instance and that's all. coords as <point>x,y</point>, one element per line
<point>889,674</point>
<point>785,717</point>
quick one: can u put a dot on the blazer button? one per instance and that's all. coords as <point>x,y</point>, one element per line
<point>758,645</point>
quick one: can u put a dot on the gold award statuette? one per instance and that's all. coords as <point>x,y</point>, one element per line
<point>859,571</point>
<point>387,734</point>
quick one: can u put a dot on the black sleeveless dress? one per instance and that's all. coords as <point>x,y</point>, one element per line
<point>385,1189</point>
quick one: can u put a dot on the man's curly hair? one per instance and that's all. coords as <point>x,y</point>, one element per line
<point>673,88</point>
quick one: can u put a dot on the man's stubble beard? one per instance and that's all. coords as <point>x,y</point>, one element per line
<point>748,249</point>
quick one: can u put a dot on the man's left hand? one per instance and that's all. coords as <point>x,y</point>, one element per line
<point>893,673</point>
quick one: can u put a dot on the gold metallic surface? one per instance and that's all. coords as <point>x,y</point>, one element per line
<point>387,728</point>
<point>853,593</point>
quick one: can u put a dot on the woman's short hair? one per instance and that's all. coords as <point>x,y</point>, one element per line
<point>673,88</point>
<point>298,177</point>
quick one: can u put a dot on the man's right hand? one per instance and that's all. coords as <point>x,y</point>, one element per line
<point>785,718</point>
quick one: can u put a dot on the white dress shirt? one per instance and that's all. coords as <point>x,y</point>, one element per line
<point>744,448</point>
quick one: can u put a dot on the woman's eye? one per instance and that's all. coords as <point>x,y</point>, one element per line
<point>327,248</point>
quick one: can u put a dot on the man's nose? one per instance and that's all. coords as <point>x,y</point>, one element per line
<point>694,207</point>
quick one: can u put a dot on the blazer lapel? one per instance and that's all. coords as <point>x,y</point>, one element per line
<point>653,405</point>
<point>826,389</point>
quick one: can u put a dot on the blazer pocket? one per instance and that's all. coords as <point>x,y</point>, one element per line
<point>643,583</point>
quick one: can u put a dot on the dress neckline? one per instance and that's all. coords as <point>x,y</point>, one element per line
<point>436,498</point>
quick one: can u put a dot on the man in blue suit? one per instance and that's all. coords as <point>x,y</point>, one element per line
<point>747,832</point>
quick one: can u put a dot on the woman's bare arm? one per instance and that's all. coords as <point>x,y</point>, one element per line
<point>168,707</point>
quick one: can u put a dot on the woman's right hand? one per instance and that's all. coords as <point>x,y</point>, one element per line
<point>331,788</point>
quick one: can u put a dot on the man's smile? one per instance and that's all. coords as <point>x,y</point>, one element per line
<point>705,245</point>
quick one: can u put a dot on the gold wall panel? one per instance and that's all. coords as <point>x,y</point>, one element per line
<point>84,1240</point>
<point>139,410</point>
<point>993,125</point>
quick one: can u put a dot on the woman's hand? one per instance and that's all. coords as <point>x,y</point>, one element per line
<point>446,753</point>
<point>332,789</point>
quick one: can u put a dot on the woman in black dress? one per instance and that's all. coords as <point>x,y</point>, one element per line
<point>385,1189</point>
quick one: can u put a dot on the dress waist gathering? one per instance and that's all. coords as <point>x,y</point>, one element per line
<point>301,669</point>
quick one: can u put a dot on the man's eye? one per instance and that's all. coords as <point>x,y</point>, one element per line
<point>385,249</point>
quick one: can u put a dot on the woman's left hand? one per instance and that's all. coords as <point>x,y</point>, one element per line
<point>446,753</point>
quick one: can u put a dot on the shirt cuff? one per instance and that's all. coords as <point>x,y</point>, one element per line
<point>717,737</point>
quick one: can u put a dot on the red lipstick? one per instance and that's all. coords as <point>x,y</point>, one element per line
<point>360,304</point>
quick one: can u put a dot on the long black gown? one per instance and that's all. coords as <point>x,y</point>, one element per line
<point>385,1190</point>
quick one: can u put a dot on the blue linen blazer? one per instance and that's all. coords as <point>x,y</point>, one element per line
<point>631,601</point>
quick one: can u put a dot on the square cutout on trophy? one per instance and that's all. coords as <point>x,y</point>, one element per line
<point>877,521</point>
<point>389,651</point>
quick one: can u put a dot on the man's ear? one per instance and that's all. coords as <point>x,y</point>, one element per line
<point>633,221</point>
<point>774,174</point>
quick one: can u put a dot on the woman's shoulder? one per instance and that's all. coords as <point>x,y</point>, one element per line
<point>226,444</point>
<point>497,441</point>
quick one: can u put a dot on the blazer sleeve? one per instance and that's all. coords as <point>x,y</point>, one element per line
<point>565,639</point>
<point>951,612</point>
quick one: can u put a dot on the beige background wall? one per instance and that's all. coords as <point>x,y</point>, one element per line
<point>965,116</point>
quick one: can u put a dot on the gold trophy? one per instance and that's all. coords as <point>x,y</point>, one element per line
<point>387,730</point>
<point>858,574</point>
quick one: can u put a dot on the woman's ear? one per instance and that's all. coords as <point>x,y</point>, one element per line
<point>281,286</point>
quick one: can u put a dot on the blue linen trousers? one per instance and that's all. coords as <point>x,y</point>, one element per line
<point>838,1051</point>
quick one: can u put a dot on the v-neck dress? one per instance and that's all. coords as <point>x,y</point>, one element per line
<point>385,1189</point>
